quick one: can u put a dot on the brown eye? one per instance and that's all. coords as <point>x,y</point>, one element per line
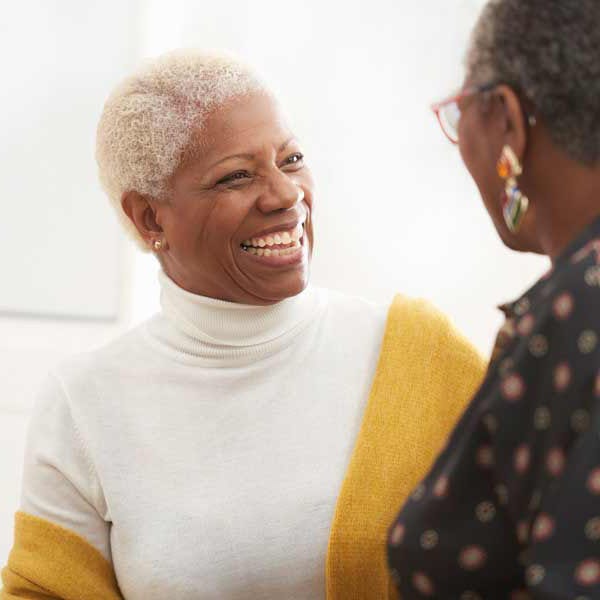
<point>233,177</point>
<point>294,159</point>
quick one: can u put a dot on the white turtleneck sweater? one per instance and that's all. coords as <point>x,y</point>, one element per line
<point>202,453</point>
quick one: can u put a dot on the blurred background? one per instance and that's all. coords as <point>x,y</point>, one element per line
<point>396,210</point>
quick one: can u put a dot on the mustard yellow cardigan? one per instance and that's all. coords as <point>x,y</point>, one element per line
<point>426,374</point>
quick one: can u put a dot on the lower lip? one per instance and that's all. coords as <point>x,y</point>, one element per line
<point>293,258</point>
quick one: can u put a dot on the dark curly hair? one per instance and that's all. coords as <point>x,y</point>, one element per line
<point>549,52</point>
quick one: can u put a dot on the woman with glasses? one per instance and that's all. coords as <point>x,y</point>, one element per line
<point>511,508</point>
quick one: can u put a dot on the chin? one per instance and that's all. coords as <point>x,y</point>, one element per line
<point>294,287</point>
<point>510,240</point>
<point>519,242</point>
<point>292,283</point>
<point>287,287</point>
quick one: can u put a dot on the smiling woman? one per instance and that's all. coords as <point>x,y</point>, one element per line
<point>245,440</point>
<point>237,225</point>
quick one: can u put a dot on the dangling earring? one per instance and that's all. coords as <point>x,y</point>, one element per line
<point>515,204</point>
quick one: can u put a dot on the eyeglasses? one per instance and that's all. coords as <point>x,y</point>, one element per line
<point>448,111</point>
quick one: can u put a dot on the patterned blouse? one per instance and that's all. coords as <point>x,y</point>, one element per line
<point>511,508</point>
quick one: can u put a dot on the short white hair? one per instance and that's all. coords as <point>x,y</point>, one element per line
<point>149,120</point>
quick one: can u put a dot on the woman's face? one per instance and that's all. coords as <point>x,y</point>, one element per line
<point>487,123</point>
<point>238,223</point>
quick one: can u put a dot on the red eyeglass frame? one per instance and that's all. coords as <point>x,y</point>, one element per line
<point>456,98</point>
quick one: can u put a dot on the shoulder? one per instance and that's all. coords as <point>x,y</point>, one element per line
<point>558,339</point>
<point>406,312</point>
<point>563,320</point>
<point>72,386</point>
<point>346,316</point>
<point>570,293</point>
<point>351,306</point>
<point>126,350</point>
<point>426,345</point>
<point>427,364</point>
<point>420,325</point>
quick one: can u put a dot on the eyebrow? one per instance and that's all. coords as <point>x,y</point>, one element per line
<point>250,156</point>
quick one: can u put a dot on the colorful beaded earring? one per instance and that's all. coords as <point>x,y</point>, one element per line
<point>515,204</point>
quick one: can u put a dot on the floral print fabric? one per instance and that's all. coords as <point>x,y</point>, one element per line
<point>511,508</point>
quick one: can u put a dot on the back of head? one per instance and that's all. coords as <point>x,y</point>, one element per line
<point>149,120</point>
<point>548,51</point>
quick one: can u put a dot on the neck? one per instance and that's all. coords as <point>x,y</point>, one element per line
<point>566,198</point>
<point>562,221</point>
<point>226,333</point>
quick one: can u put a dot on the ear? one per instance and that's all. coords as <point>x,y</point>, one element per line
<point>141,212</point>
<point>515,127</point>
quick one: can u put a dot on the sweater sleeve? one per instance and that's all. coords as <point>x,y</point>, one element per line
<point>61,544</point>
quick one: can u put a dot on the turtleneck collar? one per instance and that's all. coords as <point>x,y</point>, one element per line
<point>223,331</point>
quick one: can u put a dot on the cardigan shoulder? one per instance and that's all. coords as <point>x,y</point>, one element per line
<point>426,374</point>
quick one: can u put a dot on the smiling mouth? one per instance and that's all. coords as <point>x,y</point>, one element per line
<point>281,243</point>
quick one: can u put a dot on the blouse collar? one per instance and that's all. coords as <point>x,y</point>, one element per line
<point>586,243</point>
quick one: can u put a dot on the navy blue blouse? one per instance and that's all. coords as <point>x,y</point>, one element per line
<point>511,508</point>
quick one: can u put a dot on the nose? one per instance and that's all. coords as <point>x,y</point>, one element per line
<point>281,193</point>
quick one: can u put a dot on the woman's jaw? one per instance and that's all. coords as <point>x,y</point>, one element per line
<point>274,261</point>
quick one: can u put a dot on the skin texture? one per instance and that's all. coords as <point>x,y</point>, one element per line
<point>247,175</point>
<point>564,194</point>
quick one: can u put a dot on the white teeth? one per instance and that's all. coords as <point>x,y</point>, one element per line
<point>297,233</point>
<point>267,252</point>
<point>276,239</point>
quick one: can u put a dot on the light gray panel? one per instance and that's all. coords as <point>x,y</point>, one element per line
<point>60,243</point>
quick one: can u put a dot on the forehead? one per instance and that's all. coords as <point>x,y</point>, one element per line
<point>244,125</point>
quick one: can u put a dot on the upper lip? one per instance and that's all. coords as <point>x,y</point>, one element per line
<point>287,226</point>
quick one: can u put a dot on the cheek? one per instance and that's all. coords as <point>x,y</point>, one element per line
<point>470,150</point>
<point>308,181</point>
<point>225,222</point>
<point>478,158</point>
<point>200,226</point>
<point>304,180</point>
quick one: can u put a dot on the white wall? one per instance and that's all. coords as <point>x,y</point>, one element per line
<point>63,260</point>
<point>396,210</point>
<point>56,90</point>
